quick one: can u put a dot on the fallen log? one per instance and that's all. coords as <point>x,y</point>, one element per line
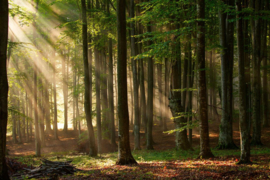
<point>48,169</point>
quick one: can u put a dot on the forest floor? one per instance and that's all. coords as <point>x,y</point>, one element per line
<point>162,163</point>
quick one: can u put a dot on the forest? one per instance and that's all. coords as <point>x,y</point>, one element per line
<point>134,89</point>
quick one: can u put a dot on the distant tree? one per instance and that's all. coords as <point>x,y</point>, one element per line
<point>124,153</point>
<point>3,87</point>
<point>243,122</point>
<point>91,135</point>
<point>35,88</point>
<point>134,52</point>
<point>256,77</point>
<point>227,44</point>
<point>205,151</point>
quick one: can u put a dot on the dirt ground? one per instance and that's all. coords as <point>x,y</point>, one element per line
<point>68,141</point>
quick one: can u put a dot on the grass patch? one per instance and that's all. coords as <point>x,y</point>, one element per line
<point>142,156</point>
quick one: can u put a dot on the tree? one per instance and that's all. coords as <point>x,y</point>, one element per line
<point>256,79</point>
<point>205,151</point>
<point>36,117</point>
<point>97,84</point>
<point>150,95</point>
<point>227,44</point>
<point>124,153</point>
<point>3,87</point>
<point>91,135</point>
<point>110,87</point>
<point>135,82</point>
<point>243,122</point>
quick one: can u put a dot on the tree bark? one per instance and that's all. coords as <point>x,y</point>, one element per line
<point>55,129</point>
<point>91,135</point>
<point>37,135</point>
<point>150,89</point>
<point>227,43</point>
<point>243,122</point>
<point>166,95</point>
<point>256,83</point>
<point>265,63</point>
<point>124,153</point>
<point>134,52</point>
<point>110,88</point>
<point>65,92</point>
<point>205,151</point>
<point>3,87</point>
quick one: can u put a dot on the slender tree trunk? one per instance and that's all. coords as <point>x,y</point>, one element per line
<point>3,87</point>
<point>205,151</point>
<point>55,129</point>
<point>110,88</point>
<point>97,83</point>
<point>14,133</point>
<point>256,83</point>
<point>124,153</point>
<point>64,92</point>
<point>37,135</point>
<point>160,93</point>
<point>227,43</point>
<point>265,63</point>
<point>134,52</point>
<point>47,108</point>
<point>243,122</point>
<point>166,95</point>
<point>247,68</point>
<point>190,89</point>
<point>27,117</point>
<point>74,100</point>
<point>176,100</point>
<point>23,118</point>
<point>131,98</point>
<point>41,114</point>
<point>150,95</point>
<point>91,136</point>
<point>104,96</point>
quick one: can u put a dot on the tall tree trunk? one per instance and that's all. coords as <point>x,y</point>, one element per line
<point>110,89</point>
<point>134,52</point>
<point>160,93</point>
<point>150,89</point>
<point>98,111</point>
<point>37,136</point>
<point>64,91</point>
<point>55,128</point>
<point>47,108</point>
<point>124,153</point>
<point>104,97</point>
<point>256,83</point>
<point>14,125</point>
<point>74,99</point>
<point>227,43</point>
<point>91,135</point>
<point>18,117</point>
<point>247,43</point>
<point>205,151</point>
<point>176,101</point>
<point>264,59</point>
<point>41,113</point>
<point>243,122</point>
<point>27,117</point>
<point>190,76</point>
<point>166,95</point>
<point>23,118</point>
<point>131,97</point>
<point>97,84</point>
<point>3,87</point>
